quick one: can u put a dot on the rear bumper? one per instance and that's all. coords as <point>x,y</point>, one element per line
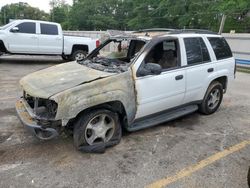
<point>31,124</point>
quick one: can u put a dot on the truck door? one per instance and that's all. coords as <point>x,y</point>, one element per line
<point>50,39</point>
<point>156,93</point>
<point>22,38</point>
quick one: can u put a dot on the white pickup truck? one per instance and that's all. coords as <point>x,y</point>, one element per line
<point>32,37</point>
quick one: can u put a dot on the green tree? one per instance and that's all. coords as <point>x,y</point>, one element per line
<point>60,12</point>
<point>21,11</point>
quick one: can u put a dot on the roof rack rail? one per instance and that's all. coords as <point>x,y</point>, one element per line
<point>154,30</point>
<point>200,31</point>
<point>176,31</point>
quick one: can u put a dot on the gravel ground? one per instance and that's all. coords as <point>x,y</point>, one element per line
<point>141,158</point>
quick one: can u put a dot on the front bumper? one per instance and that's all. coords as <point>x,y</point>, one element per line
<point>31,124</point>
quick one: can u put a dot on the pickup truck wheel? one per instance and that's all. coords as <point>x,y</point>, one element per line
<point>212,99</point>
<point>78,55</point>
<point>96,130</point>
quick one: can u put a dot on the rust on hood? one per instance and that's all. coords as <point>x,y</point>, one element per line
<point>55,79</point>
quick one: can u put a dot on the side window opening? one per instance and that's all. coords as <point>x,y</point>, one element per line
<point>27,27</point>
<point>164,54</point>
<point>196,51</point>
<point>220,47</point>
<point>134,47</point>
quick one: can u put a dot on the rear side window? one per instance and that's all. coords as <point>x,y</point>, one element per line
<point>220,47</point>
<point>27,27</point>
<point>196,51</point>
<point>49,29</point>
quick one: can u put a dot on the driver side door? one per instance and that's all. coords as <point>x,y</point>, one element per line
<point>157,93</point>
<point>24,40</point>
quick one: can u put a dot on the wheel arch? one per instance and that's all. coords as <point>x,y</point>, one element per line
<point>2,47</point>
<point>223,80</point>
<point>80,47</point>
<point>114,106</point>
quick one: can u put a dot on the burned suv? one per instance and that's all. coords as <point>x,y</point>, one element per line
<point>130,82</point>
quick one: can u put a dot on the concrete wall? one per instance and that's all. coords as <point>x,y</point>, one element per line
<point>239,43</point>
<point>91,34</point>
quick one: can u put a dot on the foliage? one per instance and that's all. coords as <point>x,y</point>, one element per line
<point>21,11</point>
<point>60,12</point>
<point>139,14</point>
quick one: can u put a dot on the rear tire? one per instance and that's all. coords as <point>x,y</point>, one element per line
<point>212,98</point>
<point>98,128</point>
<point>78,55</point>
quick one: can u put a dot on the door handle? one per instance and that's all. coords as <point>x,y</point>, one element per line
<point>179,77</point>
<point>210,70</point>
<point>33,37</point>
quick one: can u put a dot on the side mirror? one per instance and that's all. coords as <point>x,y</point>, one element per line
<point>14,29</point>
<point>149,69</point>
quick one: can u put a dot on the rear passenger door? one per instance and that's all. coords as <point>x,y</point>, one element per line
<point>198,69</point>
<point>225,61</point>
<point>50,39</point>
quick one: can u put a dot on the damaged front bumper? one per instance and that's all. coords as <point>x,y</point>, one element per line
<point>27,118</point>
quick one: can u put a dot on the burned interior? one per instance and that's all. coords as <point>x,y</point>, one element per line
<point>114,55</point>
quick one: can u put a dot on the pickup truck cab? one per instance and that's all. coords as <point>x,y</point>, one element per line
<point>132,82</point>
<point>34,37</point>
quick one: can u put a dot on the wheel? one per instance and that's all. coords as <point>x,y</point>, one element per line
<point>78,55</point>
<point>212,99</point>
<point>97,129</point>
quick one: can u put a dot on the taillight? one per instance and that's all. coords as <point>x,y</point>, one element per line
<point>97,43</point>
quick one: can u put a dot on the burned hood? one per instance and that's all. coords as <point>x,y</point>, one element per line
<point>50,81</point>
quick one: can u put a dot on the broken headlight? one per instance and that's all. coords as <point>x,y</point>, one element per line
<point>42,108</point>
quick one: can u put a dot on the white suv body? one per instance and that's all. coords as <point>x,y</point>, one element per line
<point>148,78</point>
<point>153,97</point>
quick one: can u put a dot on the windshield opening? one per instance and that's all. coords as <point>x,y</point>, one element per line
<point>114,55</point>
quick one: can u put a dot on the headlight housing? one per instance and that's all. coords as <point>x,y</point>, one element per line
<point>43,108</point>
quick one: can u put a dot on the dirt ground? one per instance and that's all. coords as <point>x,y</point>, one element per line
<point>179,149</point>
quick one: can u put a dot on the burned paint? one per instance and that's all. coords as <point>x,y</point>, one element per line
<point>119,87</point>
<point>50,81</point>
<point>76,87</point>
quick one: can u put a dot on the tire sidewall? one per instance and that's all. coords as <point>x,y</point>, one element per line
<point>215,85</point>
<point>80,126</point>
<point>77,52</point>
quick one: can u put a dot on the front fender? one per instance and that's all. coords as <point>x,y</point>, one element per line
<point>119,87</point>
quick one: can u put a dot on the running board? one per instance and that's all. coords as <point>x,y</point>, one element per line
<point>162,117</point>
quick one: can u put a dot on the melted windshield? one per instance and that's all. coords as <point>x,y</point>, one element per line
<point>114,55</point>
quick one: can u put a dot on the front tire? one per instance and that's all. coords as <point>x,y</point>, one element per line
<point>212,99</point>
<point>97,129</point>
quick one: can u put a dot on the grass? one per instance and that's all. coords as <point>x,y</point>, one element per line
<point>245,70</point>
